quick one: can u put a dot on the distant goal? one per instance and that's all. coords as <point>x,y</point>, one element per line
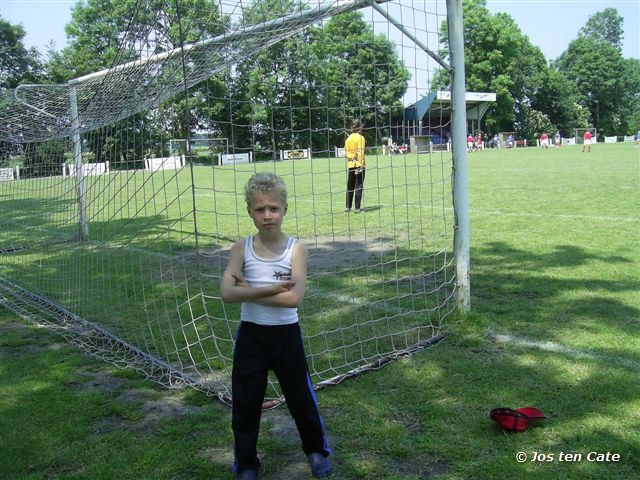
<point>201,149</point>
<point>580,134</point>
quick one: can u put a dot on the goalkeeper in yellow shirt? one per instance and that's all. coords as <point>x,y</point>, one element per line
<point>354,149</point>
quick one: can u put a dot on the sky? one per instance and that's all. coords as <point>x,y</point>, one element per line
<point>549,24</point>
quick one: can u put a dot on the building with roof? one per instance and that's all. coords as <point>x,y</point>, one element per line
<point>426,123</point>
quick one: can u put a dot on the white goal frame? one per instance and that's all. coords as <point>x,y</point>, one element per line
<point>579,135</point>
<point>195,142</point>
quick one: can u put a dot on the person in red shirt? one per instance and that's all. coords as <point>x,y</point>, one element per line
<point>470,143</point>
<point>544,140</point>
<point>587,141</point>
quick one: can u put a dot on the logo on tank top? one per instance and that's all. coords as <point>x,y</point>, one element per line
<point>281,276</point>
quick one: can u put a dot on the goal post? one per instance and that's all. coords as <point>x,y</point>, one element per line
<point>459,151</point>
<point>579,137</point>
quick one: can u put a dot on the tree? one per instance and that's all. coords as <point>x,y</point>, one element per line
<point>556,98</point>
<point>17,63</point>
<point>107,33</point>
<point>500,59</point>
<point>305,90</point>
<point>607,84</point>
<point>300,92</point>
<point>363,75</point>
<point>597,67</point>
<point>605,26</point>
<point>630,108</point>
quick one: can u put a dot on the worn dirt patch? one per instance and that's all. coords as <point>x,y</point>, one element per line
<point>37,341</point>
<point>154,405</point>
<point>332,253</point>
<point>423,467</point>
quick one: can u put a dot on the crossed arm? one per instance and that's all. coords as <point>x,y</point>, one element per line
<point>235,289</point>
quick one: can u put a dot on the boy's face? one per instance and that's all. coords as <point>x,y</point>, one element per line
<point>267,211</point>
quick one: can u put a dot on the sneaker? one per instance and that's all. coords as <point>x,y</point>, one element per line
<point>248,474</point>
<point>358,210</point>
<point>320,466</point>
<point>347,209</point>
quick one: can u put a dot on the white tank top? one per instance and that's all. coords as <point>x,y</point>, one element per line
<point>261,272</point>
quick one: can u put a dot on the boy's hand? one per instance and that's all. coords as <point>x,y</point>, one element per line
<point>278,287</point>
<point>240,281</point>
<point>285,286</point>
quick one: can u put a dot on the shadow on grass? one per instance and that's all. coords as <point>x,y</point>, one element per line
<point>148,297</point>
<point>426,415</point>
<point>28,222</point>
<point>561,257</point>
<point>69,416</point>
<point>434,407</point>
<point>531,287</point>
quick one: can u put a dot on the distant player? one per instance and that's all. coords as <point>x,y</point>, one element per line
<point>354,149</point>
<point>544,140</point>
<point>470,142</point>
<point>558,139</point>
<point>638,139</point>
<point>510,141</point>
<point>587,141</point>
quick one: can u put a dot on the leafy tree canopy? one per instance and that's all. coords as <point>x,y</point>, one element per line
<point>18,64</point>
<point>104,33</point>
<point>310,86</point>
<point>608,85</point>
<point>499,59</point>
<point>606,26</point>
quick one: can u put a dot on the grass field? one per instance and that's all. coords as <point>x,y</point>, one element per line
<point>150,269</point>
<point>555,325</point>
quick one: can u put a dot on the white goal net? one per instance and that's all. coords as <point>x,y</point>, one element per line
<point>126,262</point>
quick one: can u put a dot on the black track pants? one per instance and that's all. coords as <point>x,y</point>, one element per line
<point>355,185</point>
<point>279,348</point>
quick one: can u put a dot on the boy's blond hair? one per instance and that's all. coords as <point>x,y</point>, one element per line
<point>265,182</point>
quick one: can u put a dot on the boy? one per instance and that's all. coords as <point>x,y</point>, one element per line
<point>354,149</point>
<point>267,273</point>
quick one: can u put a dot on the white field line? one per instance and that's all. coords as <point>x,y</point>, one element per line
<point>604,218</point>
<point>561,349</point>
<point>557,215</point>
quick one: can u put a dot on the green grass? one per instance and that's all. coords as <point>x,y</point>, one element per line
<point>555,325</point>
<point>150,270</point>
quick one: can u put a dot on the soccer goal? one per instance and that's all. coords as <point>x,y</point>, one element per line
<point>580,134</point>
<point>201,149</point>
<point>128,265</point>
